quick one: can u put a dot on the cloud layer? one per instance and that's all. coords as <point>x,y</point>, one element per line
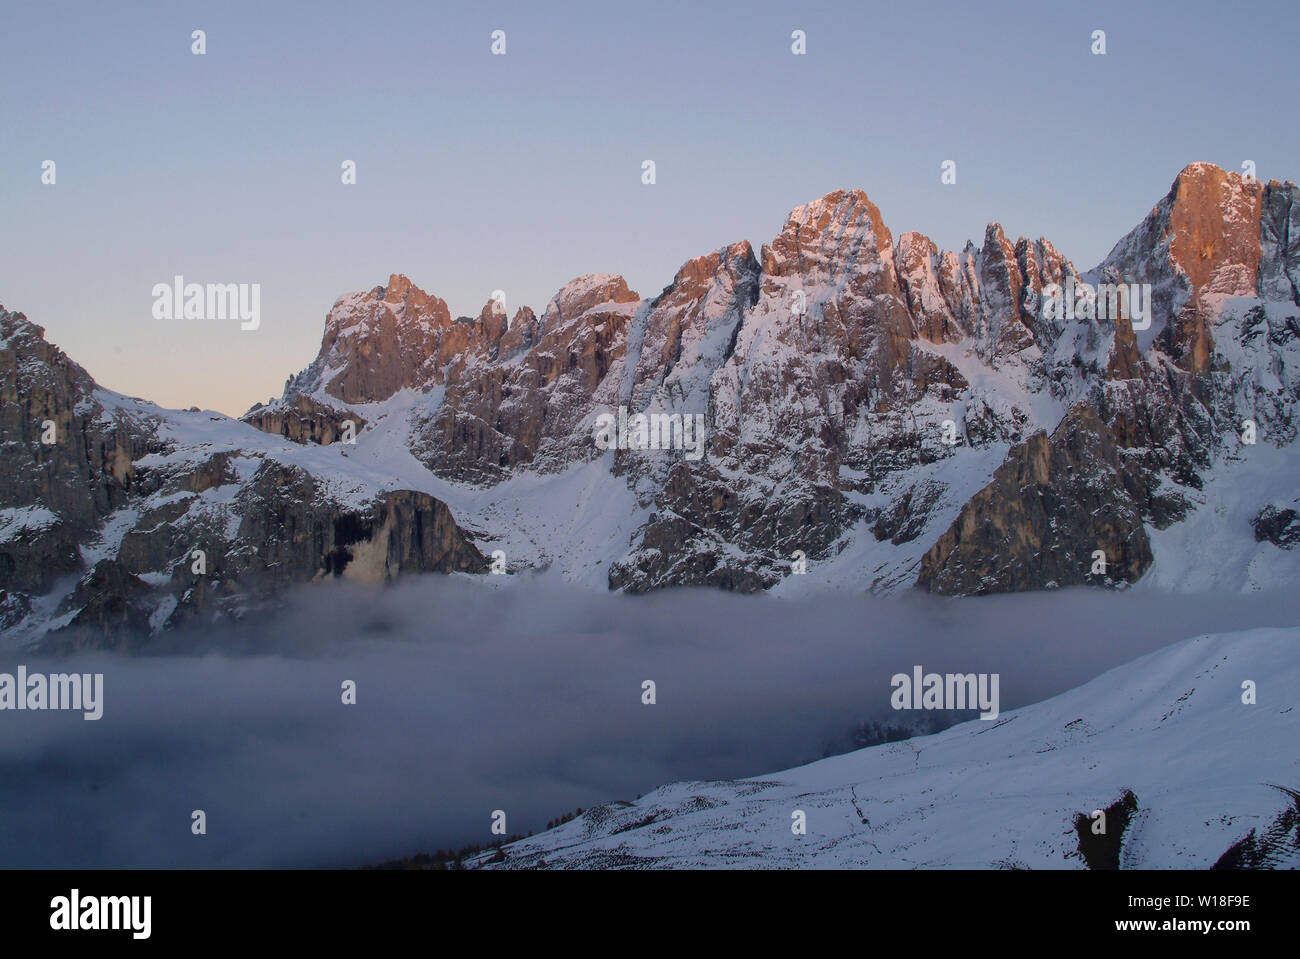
<point>521,696</point>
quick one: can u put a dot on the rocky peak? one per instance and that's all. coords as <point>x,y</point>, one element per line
<point>1005,324</point>
<point>920,269</point>
<point>490,326</point>
<point>30,356</point>
<point>527,402</point>
<point>582,296</point>
<point>400,290</point>
<point>690,328</point>
<point>695,275</point>
<point>472,340</point>
<point>583,332</point>
<point>521,334</point>
<point>1213,223</point>
<point>379,342</point>
<point>87,470</point>
<point>838,233</point>
<point>1198,246</point>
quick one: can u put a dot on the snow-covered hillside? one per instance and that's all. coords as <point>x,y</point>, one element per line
<point>1170,728</point>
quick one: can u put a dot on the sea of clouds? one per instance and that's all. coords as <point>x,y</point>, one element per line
<point>476,694</point>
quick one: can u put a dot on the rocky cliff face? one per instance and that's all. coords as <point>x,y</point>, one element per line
<point>876,413</point>
<point>525,403</point>
<point>67,463</point>
<point>1010,536</point>
<point>120,518</point>
<point>855,385</point>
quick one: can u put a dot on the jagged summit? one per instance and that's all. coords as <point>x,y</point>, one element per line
<point>583,294</point>
<point>827,364</point>
<point>876,412</point>
<point>1204,230</point>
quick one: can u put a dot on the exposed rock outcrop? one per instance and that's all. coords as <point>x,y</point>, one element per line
<point>304,420</point>
<point>1279,525</point>
<point>130,512</point>
<point>1051,507</point>
<point>110,610</point>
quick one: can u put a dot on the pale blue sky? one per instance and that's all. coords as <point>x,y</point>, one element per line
<point>478,172</point>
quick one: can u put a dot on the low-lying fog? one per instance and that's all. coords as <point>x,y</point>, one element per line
<point>521,696</point>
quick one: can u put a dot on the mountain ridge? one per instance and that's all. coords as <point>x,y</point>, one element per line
<point>866,398</point>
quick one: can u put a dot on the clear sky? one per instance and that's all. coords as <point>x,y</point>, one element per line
<point>478,172</point>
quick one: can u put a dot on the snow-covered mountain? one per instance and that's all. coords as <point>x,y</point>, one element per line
<point>878,414</point>
<point>1018,792</point>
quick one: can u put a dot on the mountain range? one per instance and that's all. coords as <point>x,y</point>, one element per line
<point>879,415</point>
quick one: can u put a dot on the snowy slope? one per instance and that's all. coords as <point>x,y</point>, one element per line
<point>1170,726</point>
<point>1212,550</point>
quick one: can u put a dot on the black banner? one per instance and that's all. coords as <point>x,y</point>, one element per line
<point>138,908</point>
